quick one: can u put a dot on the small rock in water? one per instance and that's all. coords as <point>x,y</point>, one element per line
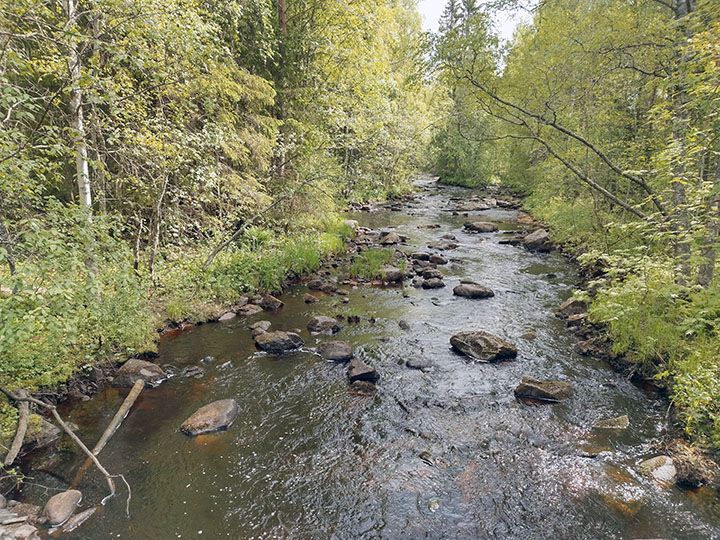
<point>660,468</point>
<point>362,388</point>
<point>571,306</point>
<point>530,335</point>
<point>249,310</point>
<point>336,351</point>
<point>278,342</point>
<point>260,327</point>
<point>134,370</point>
<point>360,371</point>
<point>543,390</point>
<point>433,283</point>
<point>390,239</point>
<point>473,291</point>
<point>310,299</point>
<point>438,259</point>
<point>61,506</point>
<point>444,245</point>
<point>481,226</point>
<point>214,416</point>
<point>323,325</point>
<point>227,316</point>
<point>538,240</point>
<point>322,284</point>
<point>483,346</point>
<point>194,372</point>
<point>620,422</point>
<point>432,273</point>
<point>404,325</point>
<point>208,359</point>
<point>420,256</point>
<point>420,364</point>
<point>270,303</point>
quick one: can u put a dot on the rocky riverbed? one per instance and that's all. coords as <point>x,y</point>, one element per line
<point>444,399</point>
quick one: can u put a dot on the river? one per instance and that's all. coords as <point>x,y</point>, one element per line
<point>447,452</point>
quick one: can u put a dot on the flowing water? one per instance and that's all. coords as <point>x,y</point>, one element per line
<point>443,453</point>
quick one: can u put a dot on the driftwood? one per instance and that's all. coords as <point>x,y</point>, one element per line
<point>120,415</point>
<point>24,412</point>
<point>18,398</point>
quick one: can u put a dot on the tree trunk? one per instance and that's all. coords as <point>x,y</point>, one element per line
<point>77,121</point>
<point>157,222</point>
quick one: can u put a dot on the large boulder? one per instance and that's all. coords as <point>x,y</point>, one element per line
<point>323,325</point>
<point>134,370</point>
<point>360,371</point>
<point>215,416</point>
<point>483,346</point>
<point>538,240</point>
<point>278,342</point>
<point>543,390</point>
<point>480,226</point>
<point>61,506</point>
<point>472,290</point>
<point>391,274</point>
<point>336,351</point>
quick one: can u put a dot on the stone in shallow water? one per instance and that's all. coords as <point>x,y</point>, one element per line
<point>660,468</point>
<point>227,316</point>
<point>483,346</point>
<point>310,299</point>
<point>134,370</point>
<point>538,241</point>
<point>433,283</point>
<point>270,303</point>
<point>249,310</point>
<point>391,274</point>
<point>260,327</point>
<point>360,371</point>
<point>278,342</point>
<point>619,422</point>
<point>543,390</point>
<point>473,291</point>
<point>481,226</point>
<point>323,325</point>
<point>214,416</point>
<point>336,351</point>
<point>61,506</point>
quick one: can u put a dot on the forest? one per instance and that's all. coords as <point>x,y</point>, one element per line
<point>161,159</point>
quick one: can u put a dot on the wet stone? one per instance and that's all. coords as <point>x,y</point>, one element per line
<point>362,388</point>
<point>134,370</point>
<point>619,422</point>
<point>323,325</point>
<point>310,299</point>
<point>270,303</point>
<point>480,226</point>
<point>438,259</point>
<point>538,240</point>
<point>360,371</point>
<point>336,351</point>
<point>660,468</point>
<point>433,283</point>
<point>194,372</point>
<point>227,316</point>
<point>249,310</point>
<point>473,291</point>
<point>278,342</point>
<point>215,416</point>
<point>391,274</point>
<point>483,346</point>
<point>61,506</point>
<point>260,327</point>
<point>543,390</point>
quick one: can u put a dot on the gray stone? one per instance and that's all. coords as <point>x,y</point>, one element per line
<point>472,290</point>
<point>619,422</point>
<point>420,256</point>
<point>543,390</point>
<point>270,303</point>
<point>61,506</point>
<point>360,371</point>
<point>433,283</point>
<point>538,240</point>
<point>483,346</point>
<point>390,239</point>
<point>134,370</point>
<point>260,327</point>
<point>249,310</point>
<point>571,306</point>
<point>228,315</point>
<point>322,284</point>
<point>323,325</point>
<point>215,416</point>
<point>391,274</point>
<point>310,299</point>
<point>336,351</point>
<point>660,468</point>
<point>480,226</point>
<point>278,342</point>
<point>438,259</point>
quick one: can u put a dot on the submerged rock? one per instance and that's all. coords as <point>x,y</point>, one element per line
<point>480,226</point>
<point>40,433</point>
<point>310,299</point>
<point>19,532</point>
<point>660,468</point>
<point>134,370</point>
<point>472,290</point>
<point>61,506</point>
<point>214,416</point>
<point>443,245</point>
<point>483,346</point>
<point>360,371</point>
<point>538,240</point>
<point>323,325</point>
<point>362,388</point>
<point>278,342</point>
<point>543,390</point>
<point>336,351</point>
<point>619,422</point>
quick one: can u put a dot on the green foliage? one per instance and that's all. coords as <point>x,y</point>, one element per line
<point>368,264</point>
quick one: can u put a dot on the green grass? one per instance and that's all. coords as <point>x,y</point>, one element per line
<point>369,263</point>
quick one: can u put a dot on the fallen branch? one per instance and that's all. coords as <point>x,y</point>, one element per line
<point>53,410</point>
<point>22,425</point>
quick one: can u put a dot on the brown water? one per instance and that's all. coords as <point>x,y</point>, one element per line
<point>444,454</point>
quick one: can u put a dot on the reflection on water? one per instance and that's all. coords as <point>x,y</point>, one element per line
<point>441,453</point>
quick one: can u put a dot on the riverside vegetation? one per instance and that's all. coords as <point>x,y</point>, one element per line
<point>159,160</point>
